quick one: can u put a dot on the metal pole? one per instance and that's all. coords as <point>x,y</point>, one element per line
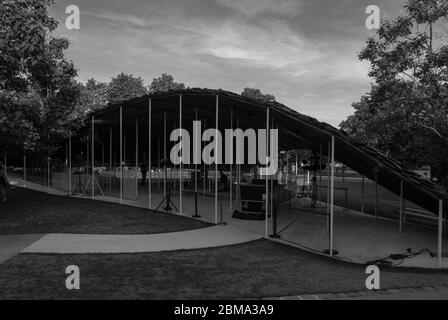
<point>439,247</point>
<point>376,195</point>
<point>320,175</point>
<point>196,157</point>
<point>136,158</point>
<point>231,163</point>
<point>401,206</point>
<point>216,159</point>
<point>271,199</point>
<point>181,167</point>
<point>24,169</point>
<point>70,164</point>
<point>328,185</point>
<point>48,171</point>
<point>164,155</point>
<point>332,195</point>
<point>150,154</point>
<point>238,168</point>
<point>121,154</point>
<point>362,194</point>
<point>93,157</point>
<point>204,183</point>
<point>110,160</point>
<point>266,173</point>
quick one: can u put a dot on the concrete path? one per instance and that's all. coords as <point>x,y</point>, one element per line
<point>195,239</point>
<point>11,245</point>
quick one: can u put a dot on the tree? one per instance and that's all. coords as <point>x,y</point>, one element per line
<point>164,83</point>
<point>406,112</point>
<point>94,96</point>
<point>258,95</point>
<point>38,92</point>
<point>125,87</point>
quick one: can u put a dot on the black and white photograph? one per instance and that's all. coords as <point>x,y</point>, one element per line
<point>230,157</point>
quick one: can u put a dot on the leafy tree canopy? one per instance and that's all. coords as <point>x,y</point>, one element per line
<point>38,92</point>
<point>125,87</point>
<point>257,94</point>
<point>164,83</point>
<point>406,112</point>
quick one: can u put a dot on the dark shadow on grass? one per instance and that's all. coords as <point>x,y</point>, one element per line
<point>32,212</point>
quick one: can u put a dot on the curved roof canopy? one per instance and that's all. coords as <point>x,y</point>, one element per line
<point>295,131</point>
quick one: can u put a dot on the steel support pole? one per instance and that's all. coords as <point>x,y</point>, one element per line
<point>216,158</point>
<point>238,167</point>
<point>24,169</point>
<point>231,163</point>
<point>164,156</point>
<point>320,176</point>
<point>196,175</point>
<point>150,154</point>
<point>136,158</point>
<point>121,154</point>
<point>440,234</point>
<point>332,195</point>
<point>362,194</point>
<point>93,157</point>
<point>110,160</point>
<point>48,172</point>
<point>181,166</point>
<point>328,185</point>
<point>204,183</point>
<point>376,195</point>
<point>70,164</point>
<point>401,205</point>
<point>266,174</point>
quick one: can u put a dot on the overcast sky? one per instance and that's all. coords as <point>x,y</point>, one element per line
<point>304,52</point>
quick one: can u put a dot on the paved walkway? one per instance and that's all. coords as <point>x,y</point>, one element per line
<point>195,239</point>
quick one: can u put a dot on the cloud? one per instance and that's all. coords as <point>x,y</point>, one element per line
<point>303,52</point>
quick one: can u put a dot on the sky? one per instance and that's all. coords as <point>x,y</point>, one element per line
<point>304,52</point>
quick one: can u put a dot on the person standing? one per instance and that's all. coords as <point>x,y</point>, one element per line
<point>144,170</point>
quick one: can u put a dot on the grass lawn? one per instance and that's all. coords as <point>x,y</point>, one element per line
<point>253,270</point>
<point>31,212</point>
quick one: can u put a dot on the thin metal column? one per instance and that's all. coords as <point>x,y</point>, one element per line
<point>376,195</point>
<point>216,158</point>
<point>110,160</point>
<point>164,156</point>
<point>121,154</point>
<point>266,205</point>
<point>196,157</point>
<point>231,163</point>
<point>328,185</point>
<point>440,233</point>
<point>24,169</point>
<point>332,195</point>
<point>401,205</point>
<point>181,167</point>
<point>150,154</point>
<point>362,194</point>
<point>136,158</point>
<point>93,157</point>
<point>70,164</point>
